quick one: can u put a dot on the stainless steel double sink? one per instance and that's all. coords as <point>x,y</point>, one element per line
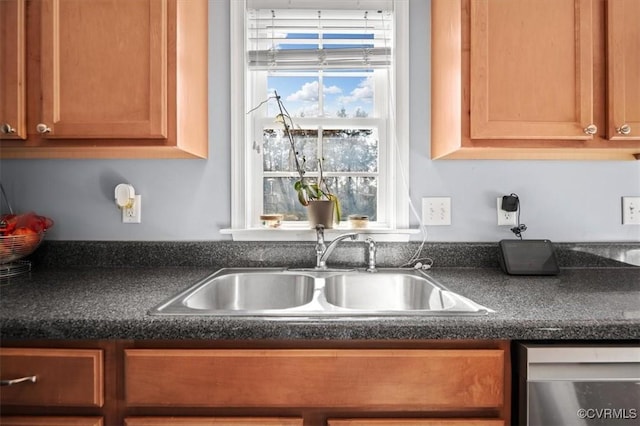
<point>310,292</point>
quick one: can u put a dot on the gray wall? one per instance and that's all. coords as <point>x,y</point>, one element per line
<point>190,199</point>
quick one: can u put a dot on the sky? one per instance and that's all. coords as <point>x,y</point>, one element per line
<point>301,94</point>
<point>351,90</point>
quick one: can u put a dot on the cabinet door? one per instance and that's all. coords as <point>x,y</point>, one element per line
<point>12,70</point>
<point>104,69</point>
<point>531,69</point>
<point>624,69</point>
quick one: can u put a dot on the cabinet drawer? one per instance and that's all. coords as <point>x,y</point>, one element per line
<point>385,379</point>
<point>213,421</point>
<point>50,421</point>
<point>64,377</point>
<point>414,422</point>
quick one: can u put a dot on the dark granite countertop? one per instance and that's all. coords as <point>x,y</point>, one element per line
<point>96,302</point>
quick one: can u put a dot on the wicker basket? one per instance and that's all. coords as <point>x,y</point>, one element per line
<point>15,247</point>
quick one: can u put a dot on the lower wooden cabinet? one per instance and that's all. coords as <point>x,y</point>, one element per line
<point>200,383</point>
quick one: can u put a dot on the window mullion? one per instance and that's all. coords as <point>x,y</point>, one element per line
<point>255,149</point>
<point>320,143</point>
<point>321,93</point>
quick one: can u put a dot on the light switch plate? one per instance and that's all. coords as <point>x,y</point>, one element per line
<point>436,211</point>
<point>631,210</point>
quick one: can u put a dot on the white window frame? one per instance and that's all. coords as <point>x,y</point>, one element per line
<point>244,171</point>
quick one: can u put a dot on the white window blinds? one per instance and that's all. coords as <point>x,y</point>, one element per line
<point>299,39</point>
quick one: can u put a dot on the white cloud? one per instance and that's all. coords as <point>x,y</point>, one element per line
<point>332,90</point>
<point>364,92</point>
<point>309,92</point>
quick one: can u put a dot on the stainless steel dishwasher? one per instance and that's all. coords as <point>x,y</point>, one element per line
<point>578,385</point>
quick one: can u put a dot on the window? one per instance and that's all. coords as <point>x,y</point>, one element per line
<point>339,73</point>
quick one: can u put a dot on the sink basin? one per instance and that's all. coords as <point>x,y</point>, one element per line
<point>311,293</point>
<point>231,290</point>
<point>385,291</point>
<point>252,291</point>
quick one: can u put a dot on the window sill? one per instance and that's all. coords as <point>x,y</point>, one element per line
<point>306,234</point>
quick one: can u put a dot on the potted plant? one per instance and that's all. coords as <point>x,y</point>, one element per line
<point>323,207</point>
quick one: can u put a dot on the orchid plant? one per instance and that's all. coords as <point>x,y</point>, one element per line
<point>305,189</point>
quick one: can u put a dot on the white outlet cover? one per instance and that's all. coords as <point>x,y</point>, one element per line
<point>506,218</point>
<point>133,214</point>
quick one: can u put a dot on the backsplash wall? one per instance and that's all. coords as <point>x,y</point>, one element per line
<point>188,200</point>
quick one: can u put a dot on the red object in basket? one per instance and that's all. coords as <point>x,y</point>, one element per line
<point>10,223</point>
<point>21,234</point>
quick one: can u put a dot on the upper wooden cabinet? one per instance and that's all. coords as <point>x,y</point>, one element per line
<point>104,72</point>
<point>623,64</point>
<point>515,93</point>
<point>109,79</point>
<point>527,79</point>
<point>13,106</point>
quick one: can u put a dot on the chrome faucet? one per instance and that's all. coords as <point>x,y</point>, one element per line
<point>372,255</point>
<point>322,250</point>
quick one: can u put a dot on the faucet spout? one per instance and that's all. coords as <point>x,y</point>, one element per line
<point>323,251</point>
<point>371,244</point>
<point>321,247</point>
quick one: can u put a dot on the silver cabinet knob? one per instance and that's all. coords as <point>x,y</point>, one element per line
<point>7,129</point>
<point>625,129</point>
<point>591,129</point>
<point>43,128</point>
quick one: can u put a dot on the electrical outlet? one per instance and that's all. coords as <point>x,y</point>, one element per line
<point>631,210</point>
<point>133,214</point>
<point>436,211</point>
<point>506,218</point>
